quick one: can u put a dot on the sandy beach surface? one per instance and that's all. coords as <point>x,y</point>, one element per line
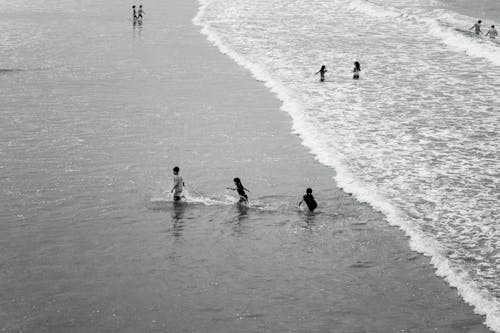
<point>92,242</point>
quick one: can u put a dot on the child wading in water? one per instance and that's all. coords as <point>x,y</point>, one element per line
<point>178,185</point>
<point>241,190</point>
<point>322,72</point>
<point>493,33</point>
<point>309,200</point>
<point>356,70</point>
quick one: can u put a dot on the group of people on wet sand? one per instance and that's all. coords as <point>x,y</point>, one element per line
<point>493,33</point>
<point>178,188</point>
<point>322,71</point>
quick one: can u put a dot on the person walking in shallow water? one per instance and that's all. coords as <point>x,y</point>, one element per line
<point>178,185</point>
<point>356,70</point>
<point>134,14</point>
<point>322,72</point>
<point>477,28</point>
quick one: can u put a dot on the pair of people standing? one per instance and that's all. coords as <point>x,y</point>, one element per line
<point>357,68</point>
<point>178,187</point>
<point>137,14</point>
<point>493,33</point>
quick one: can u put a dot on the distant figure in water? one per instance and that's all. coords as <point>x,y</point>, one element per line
<point>492,32</point>
<point>322,72</point>
<point>178,185</point>
<point>140,12</point>
<point>241,190</point>
<point>309,200</point>
<point>134,13</point>
<point>356,70</point>
<point>477,28</point>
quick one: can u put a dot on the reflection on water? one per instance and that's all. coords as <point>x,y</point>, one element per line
<point>309,219</point>
<point>177,218</point>
<point>242,212</point>
<point>137,29</point>
<point>242,215</point>
<point>307,216</point>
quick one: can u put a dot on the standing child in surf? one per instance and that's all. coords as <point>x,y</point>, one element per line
<point>492,32</point>
<point>241,190</point>
<point>178,185</point>
<point>356,70</point>
<point>322,72</point>
<point>140,12</point>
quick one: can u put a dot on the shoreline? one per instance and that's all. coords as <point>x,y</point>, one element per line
<point>415,240</point>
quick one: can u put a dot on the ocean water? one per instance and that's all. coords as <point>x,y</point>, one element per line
<point>417,137</point>
<point>95,112</point>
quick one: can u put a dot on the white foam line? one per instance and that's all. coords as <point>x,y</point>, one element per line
<point>472,46</point>
<point>467,44</point>
<point>482,302</point>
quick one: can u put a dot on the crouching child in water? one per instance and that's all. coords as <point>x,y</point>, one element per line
<point>241,190</point>
<point>178,185</point>
<point>308,199</point>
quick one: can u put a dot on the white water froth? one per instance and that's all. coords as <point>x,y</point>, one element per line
<point>450,28</point>
<point>158,201</point>
<point>164,200</point>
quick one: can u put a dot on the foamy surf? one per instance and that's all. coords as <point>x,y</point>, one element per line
<point>450,28</point>
<point>341,128</point>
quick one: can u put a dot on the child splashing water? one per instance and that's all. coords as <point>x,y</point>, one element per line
<point>241,191</point>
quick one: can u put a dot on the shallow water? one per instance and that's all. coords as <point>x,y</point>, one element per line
<point>95,114</point>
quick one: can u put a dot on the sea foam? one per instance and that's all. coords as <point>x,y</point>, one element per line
<point>450,28</point>
<point>319,143</point>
